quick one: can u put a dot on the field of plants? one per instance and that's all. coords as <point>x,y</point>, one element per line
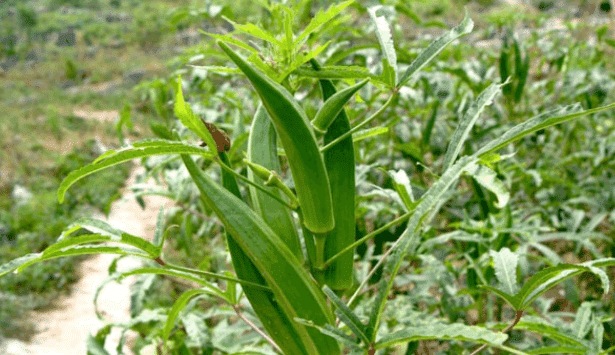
<point>349,177</point>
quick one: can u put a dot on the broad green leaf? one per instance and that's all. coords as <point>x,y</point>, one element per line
<point>467,122</point>
<point>188,118</point>
<point>321,18</point>
<point>537,123</point>
<point>94,347</point>
<point>389,58</point>
<point>347,316</point>
<point>436,47</point>
<point>505,265</point>
<point>454,331</point>
<point>125,155</point>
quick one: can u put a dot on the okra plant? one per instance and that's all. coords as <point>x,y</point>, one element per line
<point>292,247</point>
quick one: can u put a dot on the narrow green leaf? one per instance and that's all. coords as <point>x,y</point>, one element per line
<point>17,263</point>
<point>179,305</point>
<point>512,300</point>
<point>454,331</point>
<point>188,118</point>
<point>321,18</point>
<point>505,265</point>
<point>401,183</point>
<point>536,123</point>
<point>125,155</point>
<point>104,229</point>
<point>301,59</point>
<point>540,326</point>
<point>581,324</point>
<point>347,316</point>
<point>389,58</point>
<point>488,179</point>
<point>436,47</point>
<point>231,40</point>
<point>549,277</point>
<point>337,72</point>
<point>557,349</point>
<point>174,273</point>
<point>257,32</point>
<point>467,122</point>
<point>159,234</point>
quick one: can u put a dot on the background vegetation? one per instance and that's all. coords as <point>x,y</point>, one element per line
<point>561,201</point>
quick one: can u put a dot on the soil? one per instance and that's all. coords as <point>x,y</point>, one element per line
<point>64,329</point>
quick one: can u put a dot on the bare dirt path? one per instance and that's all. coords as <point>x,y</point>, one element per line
<point>64,330</point>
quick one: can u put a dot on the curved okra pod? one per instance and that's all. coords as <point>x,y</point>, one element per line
<point>264,162</point>
<point>333,106</point>
<point>304,158</point>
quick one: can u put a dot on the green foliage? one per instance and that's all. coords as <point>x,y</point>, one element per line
<point>465,206</point>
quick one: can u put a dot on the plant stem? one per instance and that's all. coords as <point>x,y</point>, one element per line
<point>518,316</point>
<point>360,125</point>
<point>256,329</point>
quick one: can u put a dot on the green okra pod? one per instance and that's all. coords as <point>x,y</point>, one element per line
<point>332,107</point>
<point>304,158</point>
<point>340,164</point>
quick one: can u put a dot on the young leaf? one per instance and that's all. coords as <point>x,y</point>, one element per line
<point>505,265</point>
<point>436,47</point>
<point>188,118</point>
<point>321,18</point>
<point>389,59</point>
<point>582,320</point>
